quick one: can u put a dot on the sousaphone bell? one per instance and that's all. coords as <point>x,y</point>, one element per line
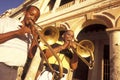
<point>51,34</point>
<point>85,49</point>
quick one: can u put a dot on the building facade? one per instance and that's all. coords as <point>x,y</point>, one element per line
<point>95,20</point>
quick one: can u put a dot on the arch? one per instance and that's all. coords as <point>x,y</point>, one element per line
<point>109,14</point>
<point>65,25</point>
<point>94,28</point>
<point>117,23</point>
<point>102,22</point>
<point>105,19</point>
<point>88,23</point>
<point>91,22</point>
<point>102,19</point>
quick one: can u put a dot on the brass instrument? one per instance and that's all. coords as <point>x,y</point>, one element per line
<point>49,35</point>
<point>57,58</point>
<point>44,34</point>
<point>85,48</point>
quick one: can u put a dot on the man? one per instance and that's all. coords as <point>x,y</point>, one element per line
<point>16,41</point>
<point>68,57</point>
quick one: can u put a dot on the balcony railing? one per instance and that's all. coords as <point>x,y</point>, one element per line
<point>65,6</point>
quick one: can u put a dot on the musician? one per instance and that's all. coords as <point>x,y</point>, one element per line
<point>16,41</point>
<point>68,57</point>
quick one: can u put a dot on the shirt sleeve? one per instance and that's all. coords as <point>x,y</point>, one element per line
<point>3,23</point>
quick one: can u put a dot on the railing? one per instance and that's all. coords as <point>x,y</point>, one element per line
<point>70,4</point>
<point>106,69</point>
<point>60,8</point>
<point>65,6</point>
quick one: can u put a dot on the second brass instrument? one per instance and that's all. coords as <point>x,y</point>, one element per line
<point>85,48</point>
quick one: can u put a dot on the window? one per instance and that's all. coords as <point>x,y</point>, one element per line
<point>65,1</point>
<point>106,63</point>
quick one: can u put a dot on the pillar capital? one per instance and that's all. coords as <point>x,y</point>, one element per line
<point>113,29</point>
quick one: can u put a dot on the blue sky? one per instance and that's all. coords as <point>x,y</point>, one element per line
<point>8,4</point>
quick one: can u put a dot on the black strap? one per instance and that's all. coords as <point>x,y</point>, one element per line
<point>56,67</point>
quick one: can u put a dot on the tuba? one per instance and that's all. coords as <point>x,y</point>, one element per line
<point>51,34</point>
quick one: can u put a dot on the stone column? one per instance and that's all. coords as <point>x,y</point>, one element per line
<point>57,4</point>
<point>44,5</point>
<point>114,38</point>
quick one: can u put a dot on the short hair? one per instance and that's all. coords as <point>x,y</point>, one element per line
<point>30,6</point>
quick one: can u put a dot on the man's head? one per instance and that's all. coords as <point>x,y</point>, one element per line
<point>68,35</point>
<point>31,13</point>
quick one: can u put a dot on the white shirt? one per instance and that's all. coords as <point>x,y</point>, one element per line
<point>14,51</point>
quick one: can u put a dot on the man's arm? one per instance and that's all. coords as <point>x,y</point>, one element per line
<point>34,43</point>
<point>74,61</point>
<point>9,35</point>
<point>56,50</point>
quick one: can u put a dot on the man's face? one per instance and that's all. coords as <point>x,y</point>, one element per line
<point>69,36</point>
<point>32,14</point>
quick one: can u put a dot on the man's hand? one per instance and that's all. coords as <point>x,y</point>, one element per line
<point>23,30</point>
<point>73,45</point>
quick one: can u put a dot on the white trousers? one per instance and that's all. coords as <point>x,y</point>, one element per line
<point>46,75</point>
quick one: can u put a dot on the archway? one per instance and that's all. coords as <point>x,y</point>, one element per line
<point>97,34</point>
